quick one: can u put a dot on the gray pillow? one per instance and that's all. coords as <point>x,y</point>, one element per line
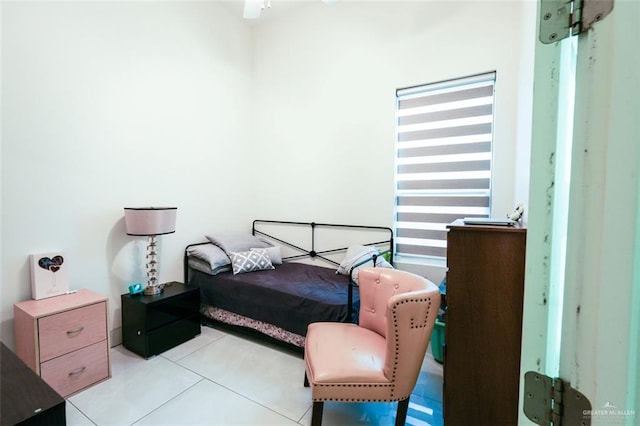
<point>210,254</point>
<point>237,242</point>
<point>275,253</point>
<point>202,266</point>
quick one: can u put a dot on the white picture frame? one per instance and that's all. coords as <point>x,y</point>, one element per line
<point>48,275</point>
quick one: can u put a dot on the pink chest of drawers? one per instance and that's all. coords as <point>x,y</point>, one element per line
<point>64,339</point>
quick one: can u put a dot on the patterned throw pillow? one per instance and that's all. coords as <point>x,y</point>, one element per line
<point>249,261</point>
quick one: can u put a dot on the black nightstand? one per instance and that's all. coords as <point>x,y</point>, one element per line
<point>153,324</point>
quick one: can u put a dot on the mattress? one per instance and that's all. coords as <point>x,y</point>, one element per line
<point>290,297</point>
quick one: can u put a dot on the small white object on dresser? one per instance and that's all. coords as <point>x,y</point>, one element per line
<point>64,339</point>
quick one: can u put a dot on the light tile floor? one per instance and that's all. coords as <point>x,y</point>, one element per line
<point>219,378</point>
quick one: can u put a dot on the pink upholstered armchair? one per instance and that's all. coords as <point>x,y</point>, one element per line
<point>379,359</point>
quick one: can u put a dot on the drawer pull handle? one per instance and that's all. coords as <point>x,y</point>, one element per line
<point>75,330</point>
<point>77,371</point>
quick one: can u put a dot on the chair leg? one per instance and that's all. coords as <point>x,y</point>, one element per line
<point>401,415</point>
<point>316,413</point>
<point>306,379</point>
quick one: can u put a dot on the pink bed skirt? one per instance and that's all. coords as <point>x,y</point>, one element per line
<point>242,321</point>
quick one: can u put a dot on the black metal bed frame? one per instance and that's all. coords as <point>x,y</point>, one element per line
<point>312,252</point>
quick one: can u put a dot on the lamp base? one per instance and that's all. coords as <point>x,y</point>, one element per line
<point>152,290</point>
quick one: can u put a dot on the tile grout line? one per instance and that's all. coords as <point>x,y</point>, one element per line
<point>207,343</point>
<point>169,400</point>
<point>80,411</point>
<point>245,397</point>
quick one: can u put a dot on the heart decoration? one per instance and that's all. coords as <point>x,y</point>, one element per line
<point>52,265</point>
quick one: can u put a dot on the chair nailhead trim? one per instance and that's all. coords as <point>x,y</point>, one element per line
<point>350,385</point>
<point>360,399</point>
<point>413,325</point>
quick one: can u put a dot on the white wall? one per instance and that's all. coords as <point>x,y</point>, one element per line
<point>325,81</point>
<point>107,105</point>
<point>114,104</point>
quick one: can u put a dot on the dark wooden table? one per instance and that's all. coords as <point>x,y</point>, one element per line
<point>25,398</point>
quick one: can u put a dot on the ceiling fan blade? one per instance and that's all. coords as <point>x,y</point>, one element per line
<point>252,9</point>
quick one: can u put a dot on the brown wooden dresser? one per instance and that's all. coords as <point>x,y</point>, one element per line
<point>483,329</point>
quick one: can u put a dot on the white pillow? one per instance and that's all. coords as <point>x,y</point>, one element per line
<point>275,254</point>
<point>355,255</point>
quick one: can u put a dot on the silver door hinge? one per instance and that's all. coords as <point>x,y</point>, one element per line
<point>564,18</point>
<point>549,401</point>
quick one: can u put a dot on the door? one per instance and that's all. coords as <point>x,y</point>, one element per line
<point>582,286</point>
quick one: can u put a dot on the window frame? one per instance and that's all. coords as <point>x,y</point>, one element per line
<point>435,248</point>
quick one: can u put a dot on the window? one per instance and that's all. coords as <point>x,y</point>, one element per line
<point>443,160</point>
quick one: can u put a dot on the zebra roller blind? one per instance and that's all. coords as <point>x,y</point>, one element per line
<point>443,160</point>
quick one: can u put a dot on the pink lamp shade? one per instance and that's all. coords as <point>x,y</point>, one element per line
<point>150,220</point>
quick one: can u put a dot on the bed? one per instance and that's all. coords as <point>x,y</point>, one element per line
<point>298,273</point>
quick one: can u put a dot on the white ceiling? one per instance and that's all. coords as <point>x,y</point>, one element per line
<point>278,8</point>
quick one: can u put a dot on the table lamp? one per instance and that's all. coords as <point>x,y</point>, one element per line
<point>150,222</point>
